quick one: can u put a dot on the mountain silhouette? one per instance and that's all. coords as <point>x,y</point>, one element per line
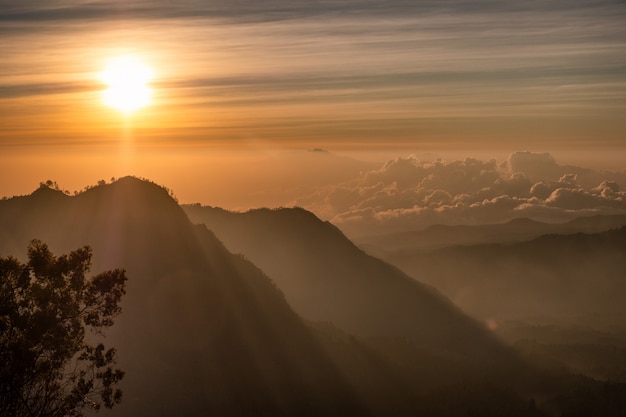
<point>325,277</point>
<point>202,330</point>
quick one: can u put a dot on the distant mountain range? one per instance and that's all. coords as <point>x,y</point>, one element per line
<point>517,230</point>
<point>563,277</point>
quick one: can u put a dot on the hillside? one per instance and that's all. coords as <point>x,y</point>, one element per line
<point>205,332</point>
<point>202,330</point>
<point>327,278</point>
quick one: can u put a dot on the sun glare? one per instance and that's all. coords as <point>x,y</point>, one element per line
<point>127,78</point>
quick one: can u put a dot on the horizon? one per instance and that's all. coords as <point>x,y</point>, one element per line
<point>405,193</point>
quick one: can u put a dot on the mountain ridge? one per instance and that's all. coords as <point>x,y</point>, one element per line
<point>339,283</point>
<point>205,331</point>
<point>516,230</point>
<point>193,312</point>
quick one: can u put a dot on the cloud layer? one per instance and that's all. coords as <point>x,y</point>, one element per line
<point>408,193</point>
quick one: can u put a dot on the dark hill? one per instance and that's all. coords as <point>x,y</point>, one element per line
<point>327,278</point>
<point>202,331</point>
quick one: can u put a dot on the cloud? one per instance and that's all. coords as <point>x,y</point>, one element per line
<point>62,9</point>
<point>37,89</point>
<point>407,193</point>
<point>341,71</point>
<point>273,10</point>
<point>534,165</point>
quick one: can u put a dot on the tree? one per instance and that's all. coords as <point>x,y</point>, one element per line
<point>48,367</point>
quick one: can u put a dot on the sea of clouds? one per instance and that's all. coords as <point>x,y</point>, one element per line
<point>410,193</point>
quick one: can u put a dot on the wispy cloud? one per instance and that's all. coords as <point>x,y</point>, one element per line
<point>36,89</point>
<point>68,10</point>
<point>489,69</point>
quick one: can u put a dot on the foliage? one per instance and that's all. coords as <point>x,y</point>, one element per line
<point>47,367</point>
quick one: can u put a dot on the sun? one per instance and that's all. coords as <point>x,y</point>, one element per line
<point>128,79</point>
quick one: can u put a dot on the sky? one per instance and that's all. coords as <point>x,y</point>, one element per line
<point>243,91</point>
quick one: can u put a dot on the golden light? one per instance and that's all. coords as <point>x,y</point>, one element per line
<point>127,78</point>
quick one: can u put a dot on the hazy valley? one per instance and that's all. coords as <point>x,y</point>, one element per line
<point>554,290</point>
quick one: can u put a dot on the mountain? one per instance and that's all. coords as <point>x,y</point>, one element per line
<point>206,332</point>
<point>516,230</point>
<point>202,331</point>
<point>563,277</point>
<point>325,277</point>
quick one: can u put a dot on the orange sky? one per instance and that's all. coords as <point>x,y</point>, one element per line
<point>361,76</point>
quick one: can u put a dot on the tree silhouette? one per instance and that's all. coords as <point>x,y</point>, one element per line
<point>47,367</point>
